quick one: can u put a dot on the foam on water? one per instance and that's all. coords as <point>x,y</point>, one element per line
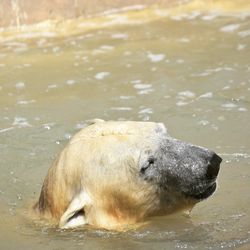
<point>102,75</point>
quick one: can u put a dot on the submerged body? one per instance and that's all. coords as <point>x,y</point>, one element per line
<point>114,174</point>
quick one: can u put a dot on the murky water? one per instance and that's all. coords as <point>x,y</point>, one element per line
<point>190,71</point>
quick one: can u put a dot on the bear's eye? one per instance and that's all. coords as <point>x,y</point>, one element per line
<point>150,161</point>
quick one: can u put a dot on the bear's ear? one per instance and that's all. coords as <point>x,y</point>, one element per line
<point>161,128</point>
<point>75,215</point>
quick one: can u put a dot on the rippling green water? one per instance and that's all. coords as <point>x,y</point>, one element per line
<point>190,71</point>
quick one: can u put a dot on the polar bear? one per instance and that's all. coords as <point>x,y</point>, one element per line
<point>113,174</point>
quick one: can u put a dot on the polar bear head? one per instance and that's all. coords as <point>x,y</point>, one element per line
<point>118,173</point>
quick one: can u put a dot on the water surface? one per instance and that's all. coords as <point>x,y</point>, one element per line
<point>190,71</point>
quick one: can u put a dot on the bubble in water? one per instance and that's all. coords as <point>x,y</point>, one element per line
<point>101,75</point>
<point>229,105</point>
<point>206,95</point>
<point>67,136</point>
<point>21,122</point>
<point>120,36</point>
<point>126,97</point>
<point>221,118</point>
<point>184,40</point>
<point>20,85</point>
<point>25,102</point>
<point>121,108</point>
<point>6,129</point>
<point>182,103</point>
<point>237,216</point>
<point>203,122</point>
<point>106,47</point>
<point>27,65</point>
<point>48,125</point>
<point>41,42</point>
<point>230,28</point>
<point>241,46</point>
<point>186,94</point>
<point>127,53</point>
<point>56,49</point>
<point>244,33</point>
<point>142,86</point>
<point>242,109</point>
<point>146,111</point>
<point>193,15</point>
<point>81,125</point>
<point>52,86</point>
<point>136,81</point>
<point>102,49</point>
<point>180,61</point>
<point>226,87</point>
<point>70,82</point>
<point>155,57</point>
<point>209,17</point>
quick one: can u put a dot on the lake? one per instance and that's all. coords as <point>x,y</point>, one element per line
<point>189,69</point>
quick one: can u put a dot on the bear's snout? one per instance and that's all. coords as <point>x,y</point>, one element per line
<point>186,168</point>
<point>200,172</point>
<point>213,167</point>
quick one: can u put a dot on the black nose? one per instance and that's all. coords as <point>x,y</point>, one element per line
<point>213,167</point>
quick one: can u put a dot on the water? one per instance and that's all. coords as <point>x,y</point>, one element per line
<point>190,70</point>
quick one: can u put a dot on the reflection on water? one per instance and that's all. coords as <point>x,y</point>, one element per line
<point>191,71</point>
